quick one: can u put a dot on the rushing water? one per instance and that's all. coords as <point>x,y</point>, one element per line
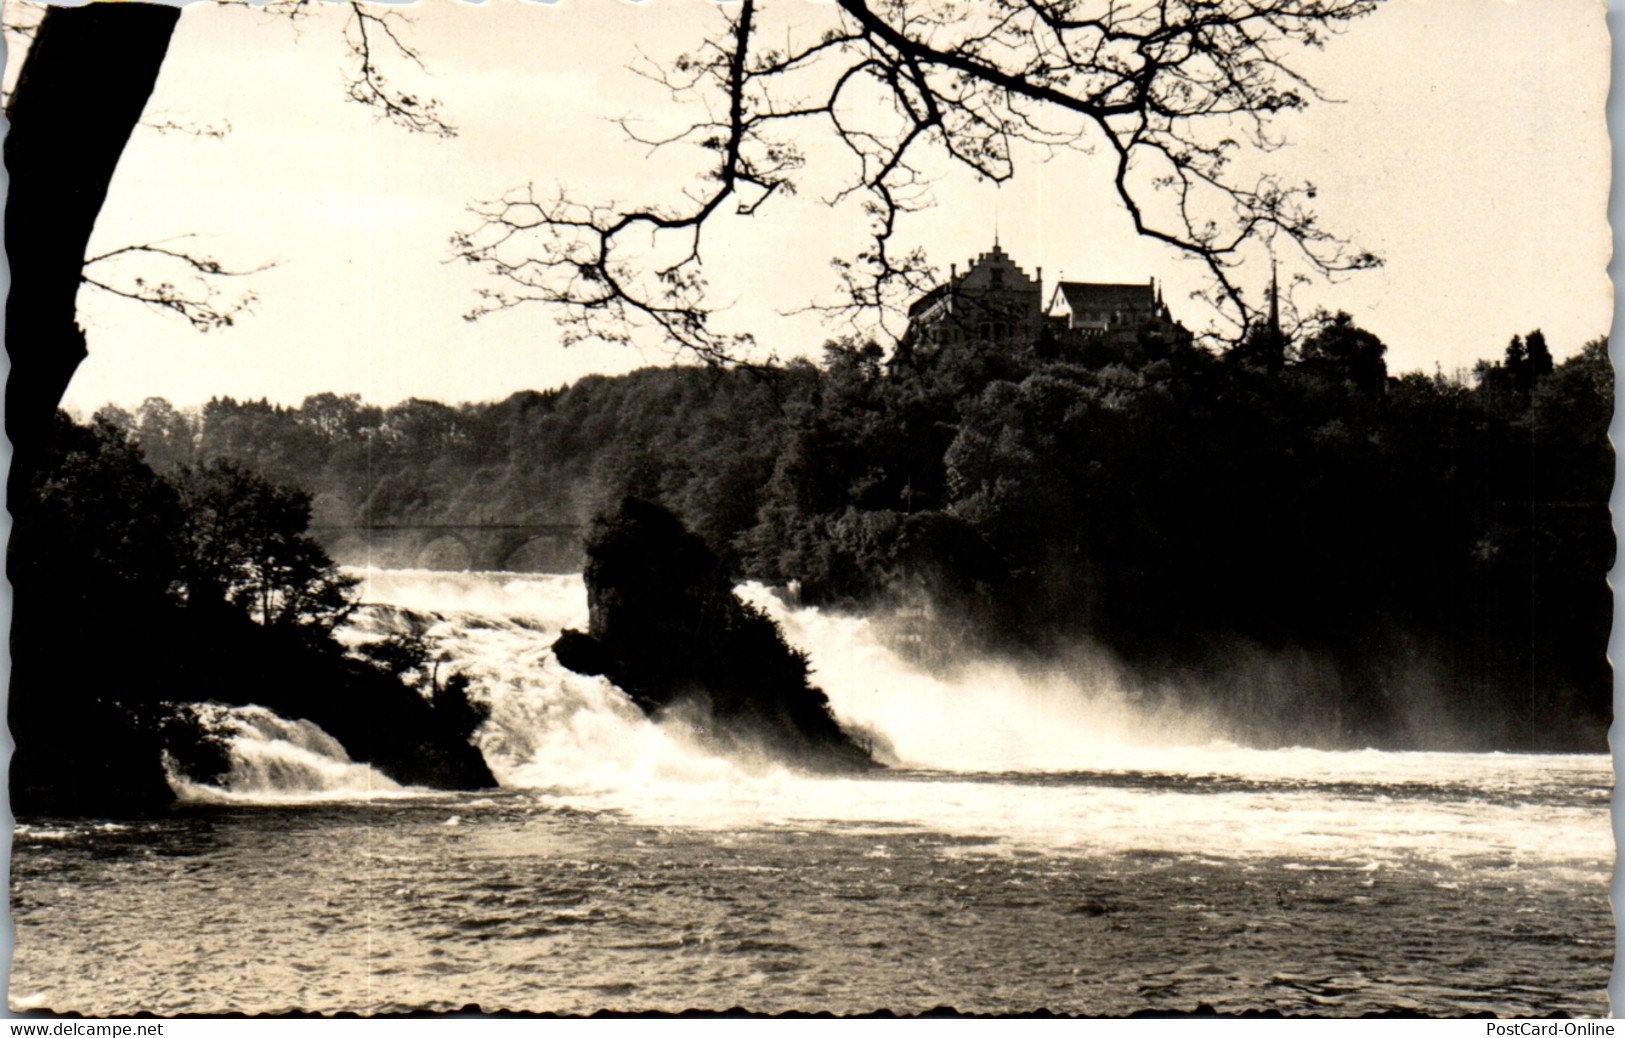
<point>1044,841</point>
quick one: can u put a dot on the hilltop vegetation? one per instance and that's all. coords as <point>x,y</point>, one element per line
<point>1318,547</point>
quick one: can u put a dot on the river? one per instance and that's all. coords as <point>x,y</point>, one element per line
<point>1044,840</point>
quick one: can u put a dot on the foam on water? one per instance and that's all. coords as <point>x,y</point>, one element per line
<point>559,600</point>
<point>985,716</point>
<point>981,715</point>
<point>274,758</point>
<point>549,726</point>
<point>579,742</point>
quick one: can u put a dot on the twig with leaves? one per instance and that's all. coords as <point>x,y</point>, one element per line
<point>368,32</point>
<point>192,295</point>
<point>213,131</point>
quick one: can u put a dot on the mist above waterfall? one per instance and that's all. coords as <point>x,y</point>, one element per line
<point>983,715</point>
<point>942,710</point>
<point>1103,765</point>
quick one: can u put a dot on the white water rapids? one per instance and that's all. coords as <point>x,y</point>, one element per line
<point>272,755</point>
<point>997,741</point>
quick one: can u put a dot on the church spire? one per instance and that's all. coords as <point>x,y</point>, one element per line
<point>1275,300</point>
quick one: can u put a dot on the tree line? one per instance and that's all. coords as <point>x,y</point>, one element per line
<point>1419,537</point>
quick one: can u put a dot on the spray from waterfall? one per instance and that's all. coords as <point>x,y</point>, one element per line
<point>550,726</point>
<point>1118,770</point>
<point>274,757</point>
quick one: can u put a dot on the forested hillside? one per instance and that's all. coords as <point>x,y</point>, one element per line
<point>1185,510</point>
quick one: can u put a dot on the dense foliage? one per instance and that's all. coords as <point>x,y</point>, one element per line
<point>1419,554</point>
<point>199,586</point>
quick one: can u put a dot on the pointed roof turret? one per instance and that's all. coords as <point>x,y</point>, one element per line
<point>1275,300</point>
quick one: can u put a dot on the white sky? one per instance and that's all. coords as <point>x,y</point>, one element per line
<point>1470,151</point>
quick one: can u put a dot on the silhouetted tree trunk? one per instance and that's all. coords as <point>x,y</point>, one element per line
<point>81,91</point>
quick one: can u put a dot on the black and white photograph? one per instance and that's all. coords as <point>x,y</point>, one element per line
<point>985,507</point>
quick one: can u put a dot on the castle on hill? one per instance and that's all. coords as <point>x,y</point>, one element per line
<point>994,302</point>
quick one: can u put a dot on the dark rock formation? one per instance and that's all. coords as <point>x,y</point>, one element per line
<point>91,728</point>
<point>379,720</point>
<point>103,650</point>
<point>667,629</point>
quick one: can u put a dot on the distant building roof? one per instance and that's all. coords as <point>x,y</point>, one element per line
<point>1081,296</point>
<point>923,303</point>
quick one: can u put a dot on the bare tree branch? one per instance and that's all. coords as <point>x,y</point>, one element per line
<point>20,21</point>
<point>585,266</point>
<point>371,35</point>
<point>1170,91</point>
<point>216,131</point>
<point>375,40</point>
<point>190,291</point>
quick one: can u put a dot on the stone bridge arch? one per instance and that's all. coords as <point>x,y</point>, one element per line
<point>510,547</point>
<point>449,551</point>
<point>546,553</point>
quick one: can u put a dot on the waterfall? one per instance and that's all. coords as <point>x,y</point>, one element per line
<point>1079,760</point>
<point>550,726</point>
<point>273,757</point>
<point>981,714</point>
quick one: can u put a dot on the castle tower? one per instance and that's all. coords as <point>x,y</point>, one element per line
<point>992,301</point>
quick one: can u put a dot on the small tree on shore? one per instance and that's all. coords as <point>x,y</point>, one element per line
<point>246,546</point>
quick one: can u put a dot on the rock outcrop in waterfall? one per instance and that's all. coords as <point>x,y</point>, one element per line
<point>666,627</point>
